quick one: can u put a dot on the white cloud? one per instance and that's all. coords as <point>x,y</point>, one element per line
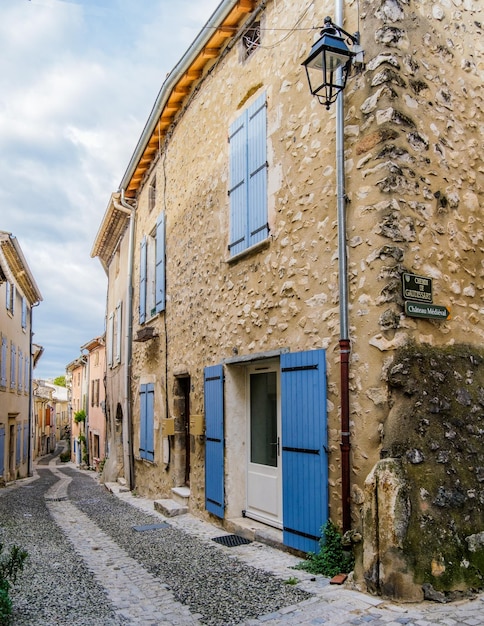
<point>77,83</point>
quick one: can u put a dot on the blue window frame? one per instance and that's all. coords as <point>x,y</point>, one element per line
<point>248,178</point>
<point>147,406</point>
<point>152,272</point>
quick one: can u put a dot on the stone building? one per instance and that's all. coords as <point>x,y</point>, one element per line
<point>18,295</point>
<point>95,425</point>
<point>77,393</point>
<point>247,397</point>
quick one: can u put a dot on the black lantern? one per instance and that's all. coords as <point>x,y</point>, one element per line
<point>329,62</point>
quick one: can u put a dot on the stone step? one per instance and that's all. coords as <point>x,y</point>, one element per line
<point>181,495</point>
<point>170,508</point>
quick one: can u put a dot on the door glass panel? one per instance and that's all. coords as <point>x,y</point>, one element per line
<point>263,418</point>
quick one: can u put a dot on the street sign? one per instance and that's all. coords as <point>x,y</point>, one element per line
<point>417,288</point>
<point>424,309</point>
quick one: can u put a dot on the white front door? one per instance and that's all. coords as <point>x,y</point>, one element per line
<point>264,479</point>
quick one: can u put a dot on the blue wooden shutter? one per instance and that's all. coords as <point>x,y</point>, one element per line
<point>160,264</point>
<point>26,439</point>
<point>2,450</point>
<point>3,364</point>
<point>110,340</point>
<point>27,373</point>
<point>19,444</point>
<point>214,440</point>
<point>146,444</point>
<point>257,171</point>
<point>20,372</point>
<point>142,281</point>
<point>248,177</point>
<point>238,185</point>
<point>304,457</point>
<point>8,301</point>
<point>13,365</point>
<point>24,313</point>
<point>119,333</point>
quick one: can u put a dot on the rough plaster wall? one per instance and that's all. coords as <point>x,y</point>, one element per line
<point>414,185</point>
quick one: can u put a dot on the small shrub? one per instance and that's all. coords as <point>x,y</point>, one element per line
<point>10,566</point>
<point>80,416</point>
<point>332,558</point>
<point>65,457</point>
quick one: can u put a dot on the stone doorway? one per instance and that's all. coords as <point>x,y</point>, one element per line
<point>182,429</point>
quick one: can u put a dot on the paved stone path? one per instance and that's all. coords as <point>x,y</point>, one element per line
<point>136,595</point>
<point>140,599</point>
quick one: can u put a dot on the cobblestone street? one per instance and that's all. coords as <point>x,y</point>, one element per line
<point>107,557</point>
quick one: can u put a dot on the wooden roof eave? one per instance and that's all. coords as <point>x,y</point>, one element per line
<point>19,268</point>
<point>112,228</point>
<point>223,25</point>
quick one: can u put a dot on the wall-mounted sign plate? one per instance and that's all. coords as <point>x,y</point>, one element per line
<point>417,288</point>
<point>424,309</point>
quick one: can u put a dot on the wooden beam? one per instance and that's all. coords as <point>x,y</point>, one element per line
<point>226,31</point>
<point>210,53</point>
<point>181,91</point>
<point>245,6</point>
<point>193,74</point>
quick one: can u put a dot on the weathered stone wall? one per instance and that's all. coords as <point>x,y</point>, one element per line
<point>424,509</point>
<point>414,187</point>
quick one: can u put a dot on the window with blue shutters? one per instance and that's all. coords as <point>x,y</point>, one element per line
<point>248,178</point>
<point>152,272</point>
<point>147,409</point>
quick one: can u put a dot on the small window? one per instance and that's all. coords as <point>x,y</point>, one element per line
<point>251,39</point>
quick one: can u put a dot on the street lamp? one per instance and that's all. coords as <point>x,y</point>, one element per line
<point>328,55</point>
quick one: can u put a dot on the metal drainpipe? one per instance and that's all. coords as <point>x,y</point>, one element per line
<point>344,341</point>
<point>31,420</point>
<point>127,208</point>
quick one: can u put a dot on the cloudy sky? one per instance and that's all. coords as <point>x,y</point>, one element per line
<point>78,79</point>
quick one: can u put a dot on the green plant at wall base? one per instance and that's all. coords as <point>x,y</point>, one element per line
<point>10,566</point>
<point>332,558</point>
